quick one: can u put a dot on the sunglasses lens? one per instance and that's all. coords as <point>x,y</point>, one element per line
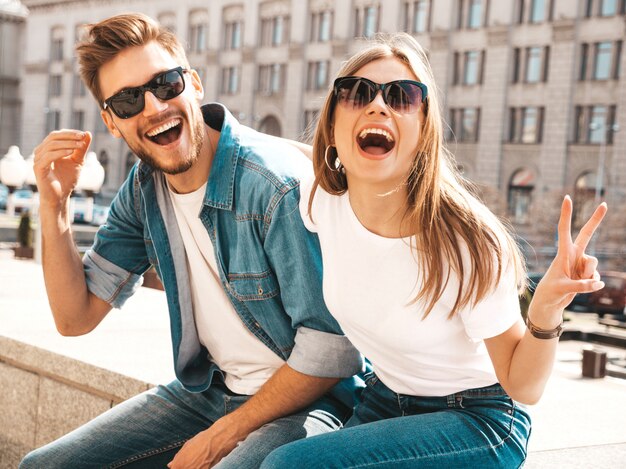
<point>168,85</point>
<point>355,93</point>
<point>130,102</point>
<point>404,97</point>
<point>127,103</point>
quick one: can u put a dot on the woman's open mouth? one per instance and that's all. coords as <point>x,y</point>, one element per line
<point>166,133</point>
<point>374,141</point>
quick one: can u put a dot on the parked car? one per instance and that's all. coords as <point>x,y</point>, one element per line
<point>612,298</point>
<point>4,195</point>
<point>23,199</point>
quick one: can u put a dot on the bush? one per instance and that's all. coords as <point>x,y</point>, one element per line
<point>25,231</point>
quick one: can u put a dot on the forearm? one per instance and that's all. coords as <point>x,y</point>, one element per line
<point>286,392</point>
<point>75,310</point>
<point>533,359</point>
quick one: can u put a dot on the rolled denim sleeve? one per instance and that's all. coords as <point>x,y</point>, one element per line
<point>108,281</point>
<point>320,347</point>
<point>316,352</point>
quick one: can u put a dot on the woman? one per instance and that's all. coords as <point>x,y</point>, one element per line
<point>424,281</point>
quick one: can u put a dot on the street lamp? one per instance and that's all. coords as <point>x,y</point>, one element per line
<point>12,174</point>
<point>90,181</point>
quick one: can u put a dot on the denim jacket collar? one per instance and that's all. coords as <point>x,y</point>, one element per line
<point>220,187</point>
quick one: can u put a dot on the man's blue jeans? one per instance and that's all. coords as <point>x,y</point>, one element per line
<point>147,431</point>
<point>474,428</point>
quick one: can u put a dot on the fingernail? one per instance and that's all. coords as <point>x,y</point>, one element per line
<point>599,285</point>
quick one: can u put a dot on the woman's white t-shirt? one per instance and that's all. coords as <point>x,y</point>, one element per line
<point>369,286</point>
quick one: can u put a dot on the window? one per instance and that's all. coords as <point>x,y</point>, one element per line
<point>78,120</point>
<point>55,85</point>
<point>53,120</point>
<point>321,26</point>
<point>468,67</point>
<point>474,16</point>
<point>526,125</point>
<point>520,195</point>
<point>605,63</point>
<point>532,118</point>
<point>533,64</point>
<point>230,80</point>
<point>56,49</point>
<point>608,7</point>
<point>602,61</point>
<point>317,77</point>
<point>417,16</point>
<point>595,124</point>
<point>366,24</point>
<point>56,43</point>
<point>232,35</point>
<point>535,61</point>
<point>274,31</point>
<point>198,37</point>
<point>464,123</point>
<point>537,11</point>
<point>270,78</point>
<point>79,88</point>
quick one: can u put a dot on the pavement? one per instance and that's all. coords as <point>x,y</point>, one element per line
<point>579,422</point>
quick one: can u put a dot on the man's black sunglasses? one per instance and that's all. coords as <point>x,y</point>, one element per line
<point>403,96</point>
<point>130,102</point>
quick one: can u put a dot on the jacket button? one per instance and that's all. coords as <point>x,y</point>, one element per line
<point>260,290</point>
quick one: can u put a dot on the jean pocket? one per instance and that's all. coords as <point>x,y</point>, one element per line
<point>253,286</point>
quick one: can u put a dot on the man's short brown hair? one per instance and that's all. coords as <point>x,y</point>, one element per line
<point>104,40</point>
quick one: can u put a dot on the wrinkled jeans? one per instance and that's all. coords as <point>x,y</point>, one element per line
<point>481,428</point>
<point>147,430</point>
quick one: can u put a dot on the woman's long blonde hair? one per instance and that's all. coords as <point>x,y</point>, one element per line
<point>440,208</point>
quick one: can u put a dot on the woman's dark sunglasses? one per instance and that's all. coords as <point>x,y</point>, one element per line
<point>130,102</point>
<point>403,96</point>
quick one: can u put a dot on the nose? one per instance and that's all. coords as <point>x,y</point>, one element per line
<point>152,104</point>
<point>378,105</point>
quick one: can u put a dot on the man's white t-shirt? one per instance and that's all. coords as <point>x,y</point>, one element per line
<point>370,283</point>
<point>246,362</point>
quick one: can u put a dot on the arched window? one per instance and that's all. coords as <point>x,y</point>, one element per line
<point>519,198</point>
<point>270,125</point>
<point>168,21</point>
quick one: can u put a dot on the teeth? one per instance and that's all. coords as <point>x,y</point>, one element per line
<point>382,132</point>
<point>162,128</point>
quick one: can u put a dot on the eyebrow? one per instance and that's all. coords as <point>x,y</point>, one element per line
<point>144,83</point>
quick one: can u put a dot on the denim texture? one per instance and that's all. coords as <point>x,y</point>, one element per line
<point>147,431</point>
<point>474,428</point>
<point>269,264</point>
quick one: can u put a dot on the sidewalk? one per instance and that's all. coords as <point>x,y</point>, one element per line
<point>579,423</point>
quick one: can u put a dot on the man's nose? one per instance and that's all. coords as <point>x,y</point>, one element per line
<point>152,104</point>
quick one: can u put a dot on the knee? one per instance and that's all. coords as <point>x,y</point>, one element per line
<point>32,461</point>
<point>280,457</point>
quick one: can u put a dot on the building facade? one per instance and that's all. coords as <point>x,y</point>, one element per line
<point>12,23</point>
<point>533,90</point>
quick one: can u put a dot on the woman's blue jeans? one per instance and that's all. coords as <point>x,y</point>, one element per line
<point>475,428</point>
<point>147,430</point>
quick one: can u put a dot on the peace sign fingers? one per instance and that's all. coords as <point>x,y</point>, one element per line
<point>587,231</point>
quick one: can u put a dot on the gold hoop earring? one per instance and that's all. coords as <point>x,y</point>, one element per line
<point>338,167</point>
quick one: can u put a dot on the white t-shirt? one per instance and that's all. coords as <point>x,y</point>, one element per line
<point>246,362</point>
<point>369,284</point>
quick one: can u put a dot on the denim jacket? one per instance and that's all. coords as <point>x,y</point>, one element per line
<point>269,264</point>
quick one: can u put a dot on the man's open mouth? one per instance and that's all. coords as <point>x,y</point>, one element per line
<point>375,141</point>
<point>166,133</point>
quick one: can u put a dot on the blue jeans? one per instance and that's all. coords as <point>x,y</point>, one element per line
<point>475,428</point>
<point>147,430</point>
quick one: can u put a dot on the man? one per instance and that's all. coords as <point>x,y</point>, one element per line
<point>214,207</point>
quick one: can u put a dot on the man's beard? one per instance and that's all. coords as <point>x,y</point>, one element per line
<point>196,139</point>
